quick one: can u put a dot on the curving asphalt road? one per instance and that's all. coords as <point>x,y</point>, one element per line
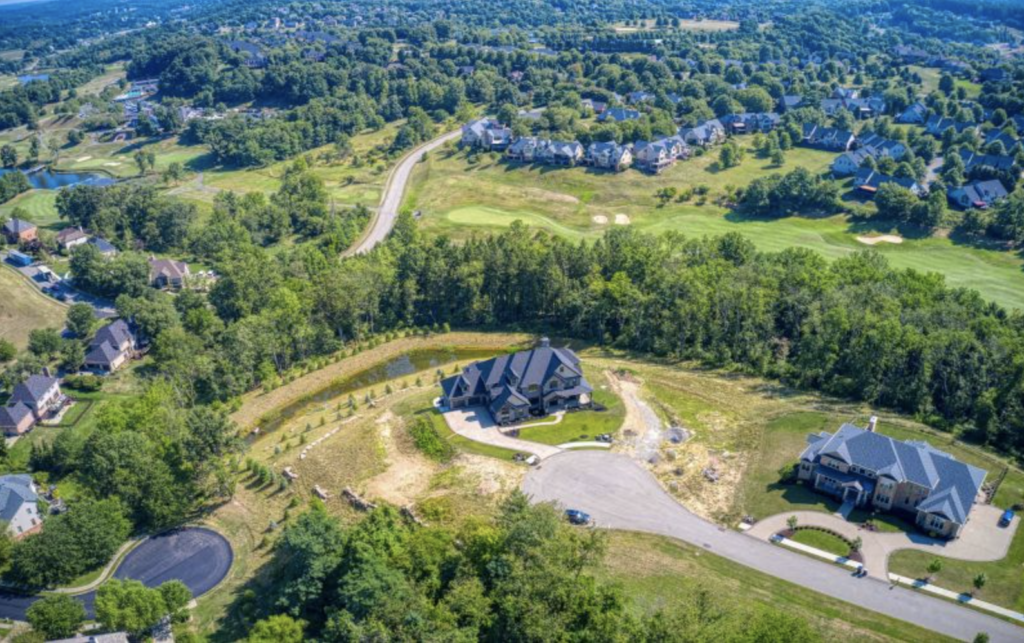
<point>619,494</point>
<point>394,188</point>
<point>197,556</point>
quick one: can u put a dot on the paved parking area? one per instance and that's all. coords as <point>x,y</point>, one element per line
<point>476,423</point>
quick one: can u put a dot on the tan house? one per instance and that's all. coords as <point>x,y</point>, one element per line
<point>18,231</point>
<point>68,238</point>
<point>111,348</point>
<point>167,273</point>
<point>864,468</point>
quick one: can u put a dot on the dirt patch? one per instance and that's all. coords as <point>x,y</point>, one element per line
<point>406,474</point>
<point>600,219</point>
<point>550,196</point>
<point>491,476</point>
<point>621,219</point>
<point>883,238</point>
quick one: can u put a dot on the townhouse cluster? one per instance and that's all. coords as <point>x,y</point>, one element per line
<point>648,156</point>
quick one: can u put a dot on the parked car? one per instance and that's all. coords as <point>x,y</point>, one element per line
<point>1006,518</point>
<point>605,437</point>
<point>577,517</point>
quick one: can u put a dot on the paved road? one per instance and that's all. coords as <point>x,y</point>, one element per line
<point>619,494</point>
<point>394,188</point>
<point>196,556</point>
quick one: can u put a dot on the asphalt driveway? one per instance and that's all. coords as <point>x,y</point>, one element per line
<point>620,494</point>
<point>196,556</point>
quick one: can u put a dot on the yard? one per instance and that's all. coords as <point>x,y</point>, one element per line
<point>821,540</point>
<point>585,425</point>
<point>459,199</point>
<point>24,308</point>
<point>660,573</point>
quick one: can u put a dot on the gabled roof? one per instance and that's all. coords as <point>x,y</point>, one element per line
<point>520,370</point>
<point>70,234</point>
<point>116,333</point>
<point>32,390</point>
<point>17,226</point>
<point>104,353</point>
<point>982,192</point>
<point>953,484</point>
<point>13,415</point>
<point>619,114</point>
<point>997,162</point>
<point>102,245</point>
<point>15,491</point>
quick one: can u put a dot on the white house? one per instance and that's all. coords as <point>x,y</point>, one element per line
<point>18,504</point>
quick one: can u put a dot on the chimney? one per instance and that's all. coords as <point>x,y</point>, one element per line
<point>46,371</point>
<point>545,342</point>
<point>873,423</point>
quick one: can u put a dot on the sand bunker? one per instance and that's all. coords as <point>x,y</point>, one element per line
<point>884,238</point>
<point>83,159</point>
<point>115,164</point>
<point>621,219</point>
<point>600,219</point>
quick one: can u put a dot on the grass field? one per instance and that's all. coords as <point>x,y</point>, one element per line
<point>661,573</point>
<point>583,426</point>
<point>23,308</point>
<point>460,199</point>
<point>39,206</point>
<point>930,81</point>
<point>821,540</point>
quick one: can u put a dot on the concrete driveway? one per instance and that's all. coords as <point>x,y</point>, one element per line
<point>620,494</point>
<point>475,423</point>
<point>982,538</point>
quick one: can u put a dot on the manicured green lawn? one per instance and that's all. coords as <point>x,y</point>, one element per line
<point>659,573</point>
<point>459,198</point>
<point>40,208</point>
<point>930,81</point>
<point>582,426</point>
<point>821,540</point>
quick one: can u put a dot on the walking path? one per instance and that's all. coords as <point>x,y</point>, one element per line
<point>394,189</point>
<point>620,494</point>
<point>107,571</point>
<point>966,599</point>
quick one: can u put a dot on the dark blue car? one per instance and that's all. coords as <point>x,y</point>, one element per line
<point>1006,518</point>
<point>577,517</point>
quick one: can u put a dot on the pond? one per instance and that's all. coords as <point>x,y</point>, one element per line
<point>28,78</point>
<point>49,180</point>
<point>407,364</point>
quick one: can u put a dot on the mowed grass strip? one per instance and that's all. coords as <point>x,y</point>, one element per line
<point>661,573</point>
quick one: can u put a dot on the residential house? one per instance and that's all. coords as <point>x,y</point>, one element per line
<point>978,194</point>
<point>40,393</point>
<point>252,56</point>
<point>563,153</point>
<point>70,237</point>
<point>705,134</point>
<point>866,107</point>
<point>596,106</point>
<point>867,469</point>
<point>104,247</point>
<point>828,138</point>
<point>111,347</point>
<point>167,273</point>
<point>639,97</point>
<point>992,162</point>
<point>526,149</point>
<point>748,123</point>
<point>16,419</point>
<point>19,231</point>
<point>910,54</point>
<point>1010,144</point>
<point>618,115</point>
<point>655,156</point>
<point>18,504</point>
<point>849,163</point>
<point>609,156</point>
<point>792,101</point>
<point>916,114</point>
<point>883,147</point>
<point>936,125</point>
<point>514,387</point>
<point>486,134</point>
<point>868,181</point>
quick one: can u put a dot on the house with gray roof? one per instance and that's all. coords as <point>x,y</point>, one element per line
<point>19,231</point>
<point>913,115</point>
<point>991,162</point>
<point>618,115</point>
<point>608,155</point>
<point>655,156</point>
<point>707,133</point>
<point>486,134</point>
<point>868,181</point>
<point>16,419</point>
<point>978,194</point>
<point>868,469</point>
<point>18,508</point>
<point>40,393</point>
<point>111,348</point>
<point>515,387</point>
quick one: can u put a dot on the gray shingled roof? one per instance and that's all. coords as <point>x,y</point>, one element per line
<point>17,226</point>
<point>102,354</point>
<point>14,415</point>
<point>116,333</point>
<point>526,368</point>
<point>15,490</point>
<point>32,389</point>
<point>953,484</point>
